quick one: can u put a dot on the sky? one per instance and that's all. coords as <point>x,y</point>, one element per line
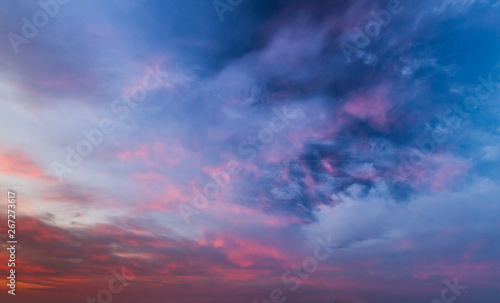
<point>293,151</point>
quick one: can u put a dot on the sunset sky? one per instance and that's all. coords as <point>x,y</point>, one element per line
<point>228,151</point>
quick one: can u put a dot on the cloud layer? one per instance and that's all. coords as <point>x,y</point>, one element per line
<point>374,123</point>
